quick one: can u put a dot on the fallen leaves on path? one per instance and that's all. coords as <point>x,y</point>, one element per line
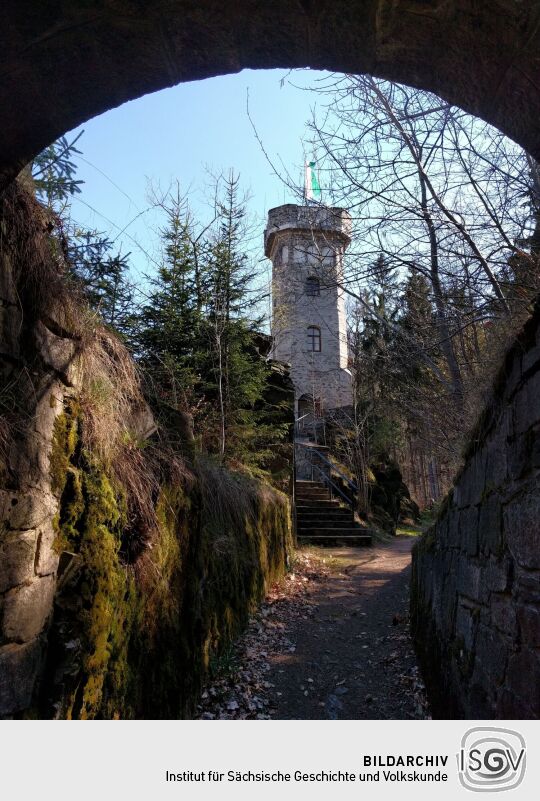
<point>241,686</point>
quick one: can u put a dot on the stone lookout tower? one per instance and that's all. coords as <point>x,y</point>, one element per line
<point>306,246</point>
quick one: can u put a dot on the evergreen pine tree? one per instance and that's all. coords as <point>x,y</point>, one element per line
<point>103,278</point>
<point>101,273</point>
<point>170,323</point>
<point>237,373</point>
<point>54,172</point>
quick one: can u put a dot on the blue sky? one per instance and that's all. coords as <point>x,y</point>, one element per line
<point>182,132</point>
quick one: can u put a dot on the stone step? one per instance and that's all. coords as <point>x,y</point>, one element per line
<point>341,530</point>
<point>315,505</point>
<point>333,513</point>
<point>336,537</point>
<point>321,496</point>
<point>323,522</point>
<point>310,484</point>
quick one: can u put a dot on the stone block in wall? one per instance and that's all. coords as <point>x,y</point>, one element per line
<point>49,406</point>
<point>491,654</point>
<point>58,353</point>
<point>524,454</point>
<point>534,445</point>
<point>498,574</point>
<point>470,581</point>
<point>428,587</point>
<point>445,583</point>
<point>527,585</point>
<point>473,481</point>
<point>468,530</point>
<point>436,596</point>
<point>523,679</point>
<point>477,701</point>
<point>440,532</point>
<point>26,510</point>
<point>27,609</point>
<point>529,624</point>
<point>490,539</point>
<point>28,459</point>
<point>527,405</point>
<point>453,516</point>
<point>503,614</point>
<point>478,694</point>
<point>46,557</point>
<point>511,707</point>
<point>467,617</point>
<point>17,555</point>
<point>19,666</point>
<point>496,450</point>
<point>521,526</point>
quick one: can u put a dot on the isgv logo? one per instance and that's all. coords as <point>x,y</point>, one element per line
<point>491,759</point>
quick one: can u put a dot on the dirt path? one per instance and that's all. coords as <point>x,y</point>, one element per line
<point>331,642</point>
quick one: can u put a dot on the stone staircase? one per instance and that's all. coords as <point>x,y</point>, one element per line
<point>323,520</point>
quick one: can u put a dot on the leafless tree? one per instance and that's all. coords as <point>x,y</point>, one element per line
<point>442,195</point>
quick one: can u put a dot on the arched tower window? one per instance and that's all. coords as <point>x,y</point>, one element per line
<point>313,286</point>
<point>314,338</point>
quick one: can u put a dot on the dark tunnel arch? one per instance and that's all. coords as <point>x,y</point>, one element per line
<point>63,62</point>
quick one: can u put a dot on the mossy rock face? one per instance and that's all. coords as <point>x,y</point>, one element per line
<point>137,640</point>
<point>98,607</point>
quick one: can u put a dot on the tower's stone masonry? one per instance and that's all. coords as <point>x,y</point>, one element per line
<point>306,246</point>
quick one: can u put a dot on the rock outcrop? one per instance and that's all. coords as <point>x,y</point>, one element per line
<point>126,563</point>
<point>37,368</point>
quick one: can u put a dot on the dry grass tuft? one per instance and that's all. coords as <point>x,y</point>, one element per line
<point>38,266</point>
<point>110,394</point>
<point>142,473</point>
<point>228,498</point>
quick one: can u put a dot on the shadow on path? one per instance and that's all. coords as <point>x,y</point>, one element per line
<point>330,641</point>
<point>352,658</point>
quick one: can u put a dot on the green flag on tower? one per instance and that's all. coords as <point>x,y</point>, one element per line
<point>313,189</point>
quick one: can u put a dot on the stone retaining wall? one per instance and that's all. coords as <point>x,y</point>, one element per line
<point>37,369</point>
<point>475,604</point>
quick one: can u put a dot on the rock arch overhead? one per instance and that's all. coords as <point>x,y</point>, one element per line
<point>63,62</point>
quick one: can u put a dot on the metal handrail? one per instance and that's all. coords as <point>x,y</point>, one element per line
<point>351,484</point>
<point>327,479</point>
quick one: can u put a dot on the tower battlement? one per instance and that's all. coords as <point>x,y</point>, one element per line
<point>307,219</point>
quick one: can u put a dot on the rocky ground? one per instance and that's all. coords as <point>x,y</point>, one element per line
<point>331,641</point>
